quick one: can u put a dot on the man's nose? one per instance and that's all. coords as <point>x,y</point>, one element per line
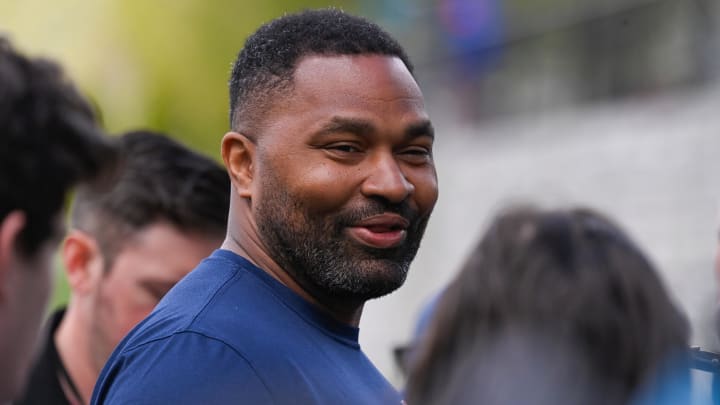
<point>387,180</point>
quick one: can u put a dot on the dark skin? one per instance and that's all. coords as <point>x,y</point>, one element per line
<point>351,130</point>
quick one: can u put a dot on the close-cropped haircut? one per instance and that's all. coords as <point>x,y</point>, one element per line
<point>49,140</point>
<point>265,65</point>
<point>158,180</point>
<point>571,275</point>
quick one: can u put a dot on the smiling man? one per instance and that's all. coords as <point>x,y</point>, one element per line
<point>333,182</point>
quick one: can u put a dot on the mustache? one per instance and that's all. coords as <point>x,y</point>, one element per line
<point>377,207</point>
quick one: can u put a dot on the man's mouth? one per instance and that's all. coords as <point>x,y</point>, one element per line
<point>381,231</point>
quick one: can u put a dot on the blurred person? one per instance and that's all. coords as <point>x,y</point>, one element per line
<point>49,140</point>
<point>403,353</point>
<point>127,246</point>
<point>553,307</point>
<point>333,183</point>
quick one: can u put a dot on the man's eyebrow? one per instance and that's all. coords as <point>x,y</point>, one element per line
<point>422,128</point>
<point>350,125</point>
<point>365,128</point>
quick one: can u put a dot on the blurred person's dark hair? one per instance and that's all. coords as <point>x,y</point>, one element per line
<point>49,140</point>
<point>159,180</point>
<point>264,67</point>
<point>568,282</point>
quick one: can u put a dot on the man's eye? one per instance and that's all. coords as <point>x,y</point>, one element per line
<point>157,290</point>
<point>417,151</point>
<point>158,293</point>
<point>346,148</point>
<point>416,155</point>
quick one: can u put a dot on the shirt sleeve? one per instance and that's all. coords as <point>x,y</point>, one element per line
<point>185,368</point>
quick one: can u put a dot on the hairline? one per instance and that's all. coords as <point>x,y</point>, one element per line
<point>283,89</point>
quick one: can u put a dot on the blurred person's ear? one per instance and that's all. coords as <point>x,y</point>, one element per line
<point>83,261</point>
<point>10,228</point>
<point>238,153</point>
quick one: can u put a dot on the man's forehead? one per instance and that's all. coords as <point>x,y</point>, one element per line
<point>349,71</point>
<point>317,59</point>
<point>363,86</point>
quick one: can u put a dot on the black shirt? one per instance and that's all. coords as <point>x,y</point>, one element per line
<point>44,386</point>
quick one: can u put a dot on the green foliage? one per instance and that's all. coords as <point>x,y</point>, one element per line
<point>160,64</point>
<point>62,290</point>
<point>186,49</point>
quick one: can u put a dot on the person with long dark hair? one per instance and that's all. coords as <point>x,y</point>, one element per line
<point>552,307</point>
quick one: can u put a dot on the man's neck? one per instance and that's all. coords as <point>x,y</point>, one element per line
<point>346,313</point>
<point>73,346</point>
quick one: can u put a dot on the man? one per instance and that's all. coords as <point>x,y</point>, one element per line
<point>49,140</point>
<point>333,182</point>
<point>166,211</point>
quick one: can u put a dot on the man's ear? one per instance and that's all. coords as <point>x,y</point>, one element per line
<point>10,228</point>
<point>238,153</point>
<point>83,261</point>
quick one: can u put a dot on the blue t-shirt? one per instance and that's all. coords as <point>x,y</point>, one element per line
<point>229,333</point>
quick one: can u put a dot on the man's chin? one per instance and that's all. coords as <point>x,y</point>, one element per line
<point>360,297</point>
<point>374,280</point>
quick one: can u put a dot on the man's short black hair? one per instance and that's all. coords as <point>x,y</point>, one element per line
<point>49,140</point>
<point>267,62</point>
<point>158,179</point>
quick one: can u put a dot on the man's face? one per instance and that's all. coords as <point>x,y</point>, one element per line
<point>29,286</point>
<point>345,176</point>
<point>146,267</point>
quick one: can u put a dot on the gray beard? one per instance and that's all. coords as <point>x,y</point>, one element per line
<point>335,274</point>
<point>324,260</point>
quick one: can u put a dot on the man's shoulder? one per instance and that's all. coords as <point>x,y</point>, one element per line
<point>206,369</point>
<point>237,328</point>
<point>183,367</point>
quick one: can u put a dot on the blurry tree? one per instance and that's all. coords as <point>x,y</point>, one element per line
<point>160,64</point>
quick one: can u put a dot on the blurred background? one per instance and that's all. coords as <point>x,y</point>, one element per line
<point>612,104</point>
